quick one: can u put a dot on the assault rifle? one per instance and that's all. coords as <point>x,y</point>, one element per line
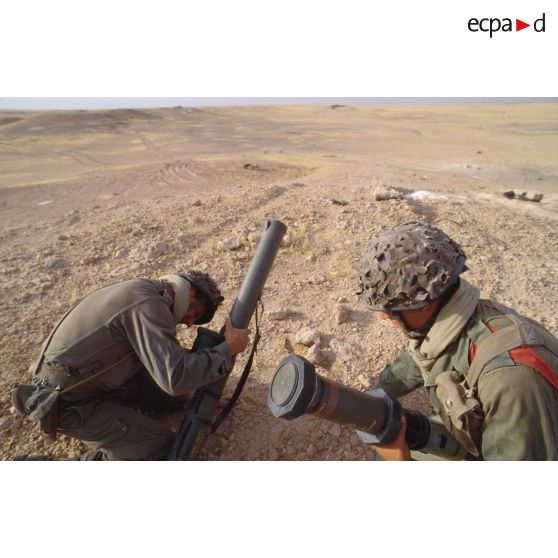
<point>199,418</point>
<point>297,389</point>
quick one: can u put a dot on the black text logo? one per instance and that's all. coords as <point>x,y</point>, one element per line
<point>494,25</point>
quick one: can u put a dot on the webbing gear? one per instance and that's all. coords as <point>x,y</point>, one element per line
<point>243,377</point>
<point>523,334</point>
<point>89,378</point>
<point>461,410</point>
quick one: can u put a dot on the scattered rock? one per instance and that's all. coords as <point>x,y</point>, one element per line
<point>197,203</point>
<point>424,194</point>
<point>316,280</point>
<point>349,353</point>
<point>524,196</point>
<point>317,355</point>
<point>342,314</point>
<point>335,430</point>
<point>62,237</point>
<point>278,313</point>
<point>46,286</point>
<point>5,423</point>
<point>57,263</point>
<point>8,270</point>
<point>158,249</point>
<point>387,195</point>
<point>229,244</point>
<point>308,336</point>
<point>250,166</point>
<point>121,253</point>
<point>365,381</point>
<point>286,240</point>
<point>335,201</point>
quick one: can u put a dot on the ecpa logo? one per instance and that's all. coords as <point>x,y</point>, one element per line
<point>493,25</point>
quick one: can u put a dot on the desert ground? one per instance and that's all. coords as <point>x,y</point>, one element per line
<point>88,198</point>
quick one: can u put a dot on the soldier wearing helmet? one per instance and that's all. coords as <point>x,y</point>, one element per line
<point>116,351</point>
<point>491,373</point>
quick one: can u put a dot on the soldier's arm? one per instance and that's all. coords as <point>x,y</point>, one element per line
<point>521,418</point>
<point>150,329</point>
<point>401,376</point>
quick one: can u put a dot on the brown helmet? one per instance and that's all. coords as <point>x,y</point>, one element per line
<point>208,290</point>
<point>409,266</point>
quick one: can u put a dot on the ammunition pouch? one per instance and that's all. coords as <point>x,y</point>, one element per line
<point>460,410</point>
<point>39,403</point>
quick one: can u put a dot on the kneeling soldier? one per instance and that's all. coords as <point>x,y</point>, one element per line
<point>116,351</point>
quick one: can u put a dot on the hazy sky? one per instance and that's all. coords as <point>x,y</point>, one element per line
<point>147,102</point>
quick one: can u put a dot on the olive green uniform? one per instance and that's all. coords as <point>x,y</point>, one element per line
<point>116,350</point>
<point>519,406</point>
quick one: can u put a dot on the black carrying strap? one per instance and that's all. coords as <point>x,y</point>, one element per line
<point>241,382</point>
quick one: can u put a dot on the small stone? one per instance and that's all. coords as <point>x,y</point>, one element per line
<point>229,244</point>
<point>387,195</point>
<point>335,201</point>
<point>121,253</point>
<point>56,263</point>
<point>62,237</point>
<point>197,203</point>
<point>342,299</point>
<point>318,356</point>
<point>342,314</point>
<point>348,353</point>
<point>5,423</point>
<point>364,381</point>
<point>46,286</point>
<point>158,249</point>
<point>335,431</point>
<point>316,280</point>
<point>278,313</point>
<point>8,270</point>
<point>308,337</point>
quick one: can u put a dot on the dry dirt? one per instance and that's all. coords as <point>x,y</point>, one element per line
<point>91,197</point>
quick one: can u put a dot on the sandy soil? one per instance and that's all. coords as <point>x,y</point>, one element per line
<point>91,197</point>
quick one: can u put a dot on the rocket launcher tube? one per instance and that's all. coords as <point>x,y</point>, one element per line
<point>197,421</point>
<point>296,389</point>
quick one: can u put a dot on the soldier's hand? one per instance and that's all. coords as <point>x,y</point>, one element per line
<point>396,450</point>
<point>237,339</point>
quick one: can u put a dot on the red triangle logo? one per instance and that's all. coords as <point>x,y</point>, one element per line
<point>519,25</point>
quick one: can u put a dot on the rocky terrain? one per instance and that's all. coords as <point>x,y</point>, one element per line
<point>88,198</point>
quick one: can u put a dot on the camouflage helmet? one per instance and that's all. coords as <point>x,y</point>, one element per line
<point>208,290</point>
<point>408,267</point>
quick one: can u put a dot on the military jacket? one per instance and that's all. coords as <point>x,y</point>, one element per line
<point>126,326</point>
<point>519,406</point>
